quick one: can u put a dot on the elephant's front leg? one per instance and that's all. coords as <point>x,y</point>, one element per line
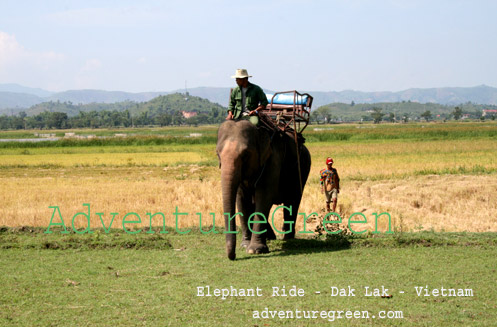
<point>259,226</point>
<point>246,206</point>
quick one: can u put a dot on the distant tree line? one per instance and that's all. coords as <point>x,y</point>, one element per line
<point>168,111</point>
<point>399,112</point>
<point>101,119</point>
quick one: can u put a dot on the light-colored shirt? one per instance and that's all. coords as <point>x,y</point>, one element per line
<point>244,101</point>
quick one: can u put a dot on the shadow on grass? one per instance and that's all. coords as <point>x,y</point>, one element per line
<point>281,248</point>
<point>336,243</point>
<point>340,242</point>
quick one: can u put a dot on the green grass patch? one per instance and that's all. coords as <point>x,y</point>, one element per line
<point>370,132</point>
<point>459,170</point>
<point>110,132</point>
<point>36,237</point>
<point>111,141</point>
<point>103,285</point>
<point>313,134</point>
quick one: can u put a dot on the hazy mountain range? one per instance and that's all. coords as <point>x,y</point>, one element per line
<point>14,98</point>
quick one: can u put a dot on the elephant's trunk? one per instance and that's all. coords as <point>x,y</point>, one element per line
<point>230,181</point>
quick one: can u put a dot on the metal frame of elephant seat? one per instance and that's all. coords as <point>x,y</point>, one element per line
<point>289,110</point>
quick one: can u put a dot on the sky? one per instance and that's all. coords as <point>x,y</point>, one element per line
<point>334,45</point>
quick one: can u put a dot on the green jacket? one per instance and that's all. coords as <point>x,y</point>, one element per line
<point>254,96</point>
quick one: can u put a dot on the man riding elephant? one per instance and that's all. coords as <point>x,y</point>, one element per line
<point>246,99</point>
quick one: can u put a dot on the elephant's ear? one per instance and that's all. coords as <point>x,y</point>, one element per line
<point>264,143</point>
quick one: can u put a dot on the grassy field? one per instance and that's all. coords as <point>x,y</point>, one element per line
<point>152,280</point>
<point>437,181</point>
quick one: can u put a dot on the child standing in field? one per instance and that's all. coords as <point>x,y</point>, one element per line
<point>330,184</point>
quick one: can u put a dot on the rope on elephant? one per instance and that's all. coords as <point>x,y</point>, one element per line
<point>266,122</point>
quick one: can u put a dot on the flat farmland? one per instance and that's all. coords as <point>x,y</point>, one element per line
<point>436,181</point>
<point>439,177</point>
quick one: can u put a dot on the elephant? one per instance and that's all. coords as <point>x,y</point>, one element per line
<point>259,168</point>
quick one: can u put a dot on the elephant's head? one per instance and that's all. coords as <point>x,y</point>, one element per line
<point>242,150</point>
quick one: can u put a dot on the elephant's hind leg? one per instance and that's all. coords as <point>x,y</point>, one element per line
<point>290,220</point>
<point>270,235</point>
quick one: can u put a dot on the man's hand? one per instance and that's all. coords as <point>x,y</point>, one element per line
<point>255,111</point>
<point>230,116</point>
<point>322,190</point>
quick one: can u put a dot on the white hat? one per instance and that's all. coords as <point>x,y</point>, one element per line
<point>241,73</point>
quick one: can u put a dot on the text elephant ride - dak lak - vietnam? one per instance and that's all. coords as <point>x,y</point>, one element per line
<point>261,166</point>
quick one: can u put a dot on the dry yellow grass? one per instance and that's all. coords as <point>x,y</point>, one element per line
<point>141,190</point>
<point>376,177</point>
<point>101,159</point>
<point>438,202</point>
<point>397,158</point>
<point>450,202</point>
